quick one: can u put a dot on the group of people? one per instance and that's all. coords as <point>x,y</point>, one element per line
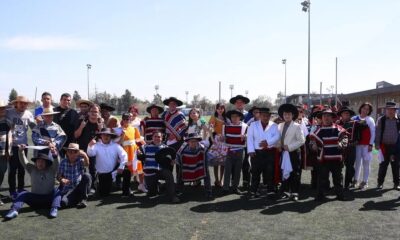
<point>90,152</point>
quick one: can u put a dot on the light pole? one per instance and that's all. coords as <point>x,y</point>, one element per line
<point>231,88</point>
<point>284,63</point>
<point>307,8</point>
<point>156,87</point>
<point>187,93</point>
<point>88,68</point>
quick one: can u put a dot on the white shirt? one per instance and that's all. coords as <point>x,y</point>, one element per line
<point>256,134</point>
<point>107,156</point>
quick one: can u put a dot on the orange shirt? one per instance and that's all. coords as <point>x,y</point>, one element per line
<point>217,123</point>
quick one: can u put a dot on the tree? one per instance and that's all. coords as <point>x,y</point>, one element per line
<point>13,95</point>
<point>125,101</point>
<point>262,101</point>
<point>196,100</point>
<point>157,99</point>
<point>103,97</point>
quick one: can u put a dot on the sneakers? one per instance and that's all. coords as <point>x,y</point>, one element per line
<point>396,187</point>
<point>127,194</point>
<point>379,186</point>
<point>1,203</point>
<point>295,197</point>
<point>12,214</point>
<point>142,188</point>
<point>82,204</point>
<point>363,186</point>
<point>53,212</point>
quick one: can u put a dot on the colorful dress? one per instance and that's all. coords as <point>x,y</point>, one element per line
<point>218,150</point>
<point>128,142</point>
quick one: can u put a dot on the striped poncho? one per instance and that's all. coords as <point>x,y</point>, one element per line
<point>150,165</point>
<point>192,162</point>
<point>330,141</point>
<point>175,123</point>
<point>151,125</point>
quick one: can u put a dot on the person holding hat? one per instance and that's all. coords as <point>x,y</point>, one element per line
<point>43,193</point>
<point>153,123</point>
<point>292,138</point>
<point>328,141</point>
<point>109,120</point>
<point>192,159</point>
<point>130,140</point>
<point>5,142</point>
<point>48,133</point>
<point>387,133</point>
<point>74,181</point>
<point>239,103</point>
<point>159,160</point>
<point>234,134</point>
<point>85,131</point>
<point>262,140</point>
<point>21,119</point>
<point>83,106</point>
<point>349,156</point>
<point>110,157</point>
<point>46,103</point>
<point>67,118</point>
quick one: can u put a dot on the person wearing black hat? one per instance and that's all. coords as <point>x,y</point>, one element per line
<point>262,139</point>
<point>110,157</point>
<point>175,122</point>
<point>109,120</point>
<point>292,138</point>
<point>234,133</point>
<point>192,159</point>
<point>239,103</point>
<point>153,122</point>
<point>328,141</point>
<point>349,156</point>
<point>159,160</point>
<point>387,132</point>
<point>85,131</point>
<point>43,193</point>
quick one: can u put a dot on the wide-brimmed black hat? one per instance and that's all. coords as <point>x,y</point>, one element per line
<point>172,99</point>
<point>107,107</point>
<point>346,109</point>
<point>264,110</point>
<point>251,110</point>
<point>391,105</point>
<point>326,111</point>
<point>44,157</point>
<point>107,131</point>
<point>165,156</point>
<point>232,112</point>
<point>287,107</point>
<point>195,136</point>
<point>160,109</point>
<point>243,98</point>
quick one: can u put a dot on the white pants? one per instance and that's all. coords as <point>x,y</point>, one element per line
<point>363,157</point>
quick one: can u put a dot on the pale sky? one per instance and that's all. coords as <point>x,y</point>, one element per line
<point>190,45</point>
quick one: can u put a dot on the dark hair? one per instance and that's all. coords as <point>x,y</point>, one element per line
<point>65,95</point>
<point>157,132</point>
<point>191,110</point>
<point>46,94</point>
<point>366,104</point>
<point>94,105</point>
<point>216,113</point>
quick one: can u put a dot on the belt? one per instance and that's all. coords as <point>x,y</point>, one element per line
<point>128,143</point>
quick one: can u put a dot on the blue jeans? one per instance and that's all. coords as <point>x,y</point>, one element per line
<point>37,200</point>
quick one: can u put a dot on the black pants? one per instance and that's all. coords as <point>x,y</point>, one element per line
<point>152,182</point>
<point>77,194</point>
<point>246,169</point>
<point>292,184</point>
<point>92,171</point>
<point>335,168</point>
<point>176,147</point>
<point>16,168</point>
<point>389,150</point>
<point>349,160</point>
<point>105,183</point>
<point>263,161</point>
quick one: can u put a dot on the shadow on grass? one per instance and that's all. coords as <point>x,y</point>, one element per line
<point>388,205</point>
